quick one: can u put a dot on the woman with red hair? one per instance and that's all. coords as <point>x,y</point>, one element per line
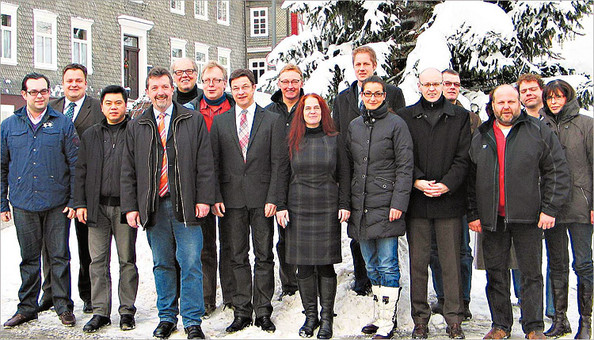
<point>313,201</point>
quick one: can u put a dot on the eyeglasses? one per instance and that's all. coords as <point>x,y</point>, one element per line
<point>557,97</point>
<point>214,81</point>
<point>245,87</point>
<point>188,72</point>
<point>370,94</point>
<point>428,85</point>
<point>450,84</point>
<point>292,82</point>
<point>34,93</point>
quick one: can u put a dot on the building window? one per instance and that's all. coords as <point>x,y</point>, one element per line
<point>178,49</point>
<point>177,6</point>
<point>259,22</point>
<point>82,43</point>
<point>9,34</point>
<point>258,67</point>
<point>44,40</point>
<point>225,58</point>
<point>201,56</point>
<point>201,9</point>
<point>223,12</point>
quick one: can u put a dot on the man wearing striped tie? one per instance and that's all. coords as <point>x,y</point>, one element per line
<point>167,187</point>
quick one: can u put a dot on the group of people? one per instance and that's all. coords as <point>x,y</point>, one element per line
<point>198,155</point>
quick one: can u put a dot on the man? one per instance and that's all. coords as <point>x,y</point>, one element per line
<point>167,186</point>
<point>348,106</point>
<point>245,143</point>
<point>441,137</point>
<point>451,90</point>
<point>518,183</point>
<point>185,75</point>
<point>530,87</point>
<point>39,147</point>
<point>84,111</point>
<point>97,204</point>
<point>284,102</point>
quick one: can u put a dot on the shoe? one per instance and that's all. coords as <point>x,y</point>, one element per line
<point>286,293</point>
<point>18,319</point>
<point>164,330</point>
<point>497,333</point>
<point>96,322</point>
<point>127,322</point>
<point>387,312</point>
<point>45,305</point>
<point>308,291</point>
<point>559,327</point>
<point>585,310</point>
<point>366,290</point>
<point>455,331</point>
<point>466,314</point>
<point>208,310</point>
<point>68,319</point>
<point>327,294</point>
<point>194,332</point>
<point>265,323</point>
<point>239,323</point>
<point>536,335</point>
<point>371,328</point>
<point>228,305</point>
<point>87,307</point>
<point>437,307</point>
<point>421,331</point>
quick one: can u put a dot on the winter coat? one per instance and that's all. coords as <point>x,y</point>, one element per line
<point>575,134</point>
<point>380,150</point>
<point>441,154</point>
<point>536,174</point>
<point>278,106</point>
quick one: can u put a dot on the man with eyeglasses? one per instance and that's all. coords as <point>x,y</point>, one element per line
<point>38,151</point>
<point>441,137</point>
<point>530,87</point>
<point>185,75</point>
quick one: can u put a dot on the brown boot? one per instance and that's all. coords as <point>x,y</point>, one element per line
<point>497,333</point>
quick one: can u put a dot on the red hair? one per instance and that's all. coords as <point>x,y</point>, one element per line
<point>297,130</point>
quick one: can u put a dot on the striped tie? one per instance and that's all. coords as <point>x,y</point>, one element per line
<point>163,180</point>
<point>70,110</point>
<point>244,134</point>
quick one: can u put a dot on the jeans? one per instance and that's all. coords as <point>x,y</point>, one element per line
<point>170,239</point>
<point>381,261</point>
<point>34,229</point>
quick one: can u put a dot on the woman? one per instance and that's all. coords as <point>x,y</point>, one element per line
<point>317,179</point>
<point>575,134</point>
<point>380,149</point>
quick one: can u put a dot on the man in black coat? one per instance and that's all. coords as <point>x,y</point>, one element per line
<point>348,106</point>
<point>185,75</point>
<point>441,137</point>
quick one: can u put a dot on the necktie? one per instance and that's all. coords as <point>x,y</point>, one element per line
<point>70,110</point>
<point>361,107</point>
<point>244,134</point>
<point>163,179</point>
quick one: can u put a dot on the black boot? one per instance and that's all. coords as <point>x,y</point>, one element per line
<point>560,324</point>
<point>309,298</point>
<point>585,309</point>
<point>327,291</point>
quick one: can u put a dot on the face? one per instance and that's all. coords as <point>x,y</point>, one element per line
<point>363,66</point>
<point>506,105</point>
<point>184,75</point>
<point>430,85</point>
<point>290,85</point>
<point>36,101</point>
<point>74,84</point>
<point>530,94</point>
<point>243,92</point>
<point>451,87</point>
<point>312,112</point>
<point>213,83</point>
<point>113,107</point>
<point>556,101</point>
<point>160,92</point>
<point>373,95</point>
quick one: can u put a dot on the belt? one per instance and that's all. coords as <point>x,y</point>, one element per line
<point>109,201</point>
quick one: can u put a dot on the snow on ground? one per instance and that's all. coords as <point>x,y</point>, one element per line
<point>352,311</point>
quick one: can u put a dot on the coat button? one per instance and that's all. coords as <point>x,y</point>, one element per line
<point>363,176</point>
<point>365,158</point>
<point>366,211</point>
<point>384,186</point>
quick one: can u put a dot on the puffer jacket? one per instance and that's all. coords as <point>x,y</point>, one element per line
<point>380,150</point>
<point>278,106</point>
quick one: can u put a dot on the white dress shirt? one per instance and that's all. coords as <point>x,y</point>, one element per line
<point>168,113</point>
<point>251,111</point>
<point>76,108</point>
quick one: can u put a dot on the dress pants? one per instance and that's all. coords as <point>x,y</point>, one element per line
<point>209,259</point>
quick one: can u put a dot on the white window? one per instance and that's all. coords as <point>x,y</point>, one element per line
<point>44,40</point>
<point>259,22</point>
<point>225,58</point>
<point>201,9</point>
<point>223,12</point>
<point>177,6</point>
<point>201,56</point>
<point>258,67</point>
<point>82,42</point>
<point>9,34</point>
<point>178,49</point>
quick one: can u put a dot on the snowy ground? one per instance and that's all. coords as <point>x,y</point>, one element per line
<point>353,311</point>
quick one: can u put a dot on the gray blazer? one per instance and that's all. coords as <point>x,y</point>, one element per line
<point>89,114</point>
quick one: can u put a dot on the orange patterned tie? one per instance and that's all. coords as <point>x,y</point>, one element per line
<point>163,180</point>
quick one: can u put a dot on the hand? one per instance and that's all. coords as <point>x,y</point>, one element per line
<point>545,221</point>
<point>395,214</point>
<point>202,210</point>
<point>133,219</point>
<point>5,216</point>
<point>81,214</point>
<point>269,209</point>
<point>70,213</point>
<point>475,226</point>
<point>282,218</point>
<point>436,190</point>
<point>423,185</point>
<point>343,215</point>
<point>218,209</point>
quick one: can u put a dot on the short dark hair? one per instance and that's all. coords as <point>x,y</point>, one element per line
<point>158,72</point>
<point>114,89</point>
<point>374,79</point>
<point>75,66</point>
<point>450,71</point>
<point>558,85</point>
<point>33,75</point>
<point>242,72</point>
<point>530,77</point>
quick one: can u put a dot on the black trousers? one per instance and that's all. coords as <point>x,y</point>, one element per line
<point>286,270</point>
<point>361,279</point>
<point>209,260</point>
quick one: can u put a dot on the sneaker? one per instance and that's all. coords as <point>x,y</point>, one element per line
<point>68,319</point>
<point>127,322</point>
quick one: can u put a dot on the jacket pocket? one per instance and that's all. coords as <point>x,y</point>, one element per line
<point>18,139</point>
<point>384,183</point>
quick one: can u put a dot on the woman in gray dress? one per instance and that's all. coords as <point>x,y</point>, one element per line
<point>313,201</point>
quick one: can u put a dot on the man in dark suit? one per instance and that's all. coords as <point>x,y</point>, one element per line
<point>84,111</point>
<point>245,143</point>
<point>347,106</point>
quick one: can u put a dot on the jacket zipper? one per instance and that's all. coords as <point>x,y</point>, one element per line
<point>153,184</point>
<point>177,174</point>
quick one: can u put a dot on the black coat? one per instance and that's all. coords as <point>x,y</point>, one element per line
<point>89,114</point>
<point>278,106</point>
<point>380,150</point>
<point>441,154</point>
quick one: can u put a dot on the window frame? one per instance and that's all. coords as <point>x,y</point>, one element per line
<point>203,48</point>
<point>181,10</point>
<point>86,24</point>
<point>257,60</point>
<point>9,9</point>
<point>204,4</point>
<point>177,44</point>
<point>252,21</point>
<point>40,15</point>
<point>224,52</point>
<point>228,19</point>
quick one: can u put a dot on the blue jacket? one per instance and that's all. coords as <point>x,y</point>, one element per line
<point>38,166</point>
